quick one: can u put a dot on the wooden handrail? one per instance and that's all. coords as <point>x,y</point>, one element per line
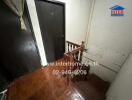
<point>74,54</point>
<point>75,51</point>
<point>73,43</point>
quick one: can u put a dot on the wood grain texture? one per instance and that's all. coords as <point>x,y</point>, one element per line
<point>44,85</point>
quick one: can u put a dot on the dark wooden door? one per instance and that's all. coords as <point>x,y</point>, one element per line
<point>18,52</point>
<point>51,17</point>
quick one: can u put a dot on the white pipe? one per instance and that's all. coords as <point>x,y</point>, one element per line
<point>89,23</point>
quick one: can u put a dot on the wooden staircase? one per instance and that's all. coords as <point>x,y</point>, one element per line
<point>74,50</point>
<point>44,85</point>
<point>74,53</point>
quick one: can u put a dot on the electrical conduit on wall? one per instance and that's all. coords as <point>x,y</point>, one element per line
<point>89,22</point>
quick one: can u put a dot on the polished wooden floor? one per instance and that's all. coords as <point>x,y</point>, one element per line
<point>44,85</point>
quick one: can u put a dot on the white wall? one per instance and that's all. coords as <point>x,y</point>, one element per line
<point>77,20</point>
<point>99,69</point>
<point>77,14</point>
<point>110,37</point>
<point>121,89</point>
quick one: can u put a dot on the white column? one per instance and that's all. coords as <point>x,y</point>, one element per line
<point>37,31</point>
